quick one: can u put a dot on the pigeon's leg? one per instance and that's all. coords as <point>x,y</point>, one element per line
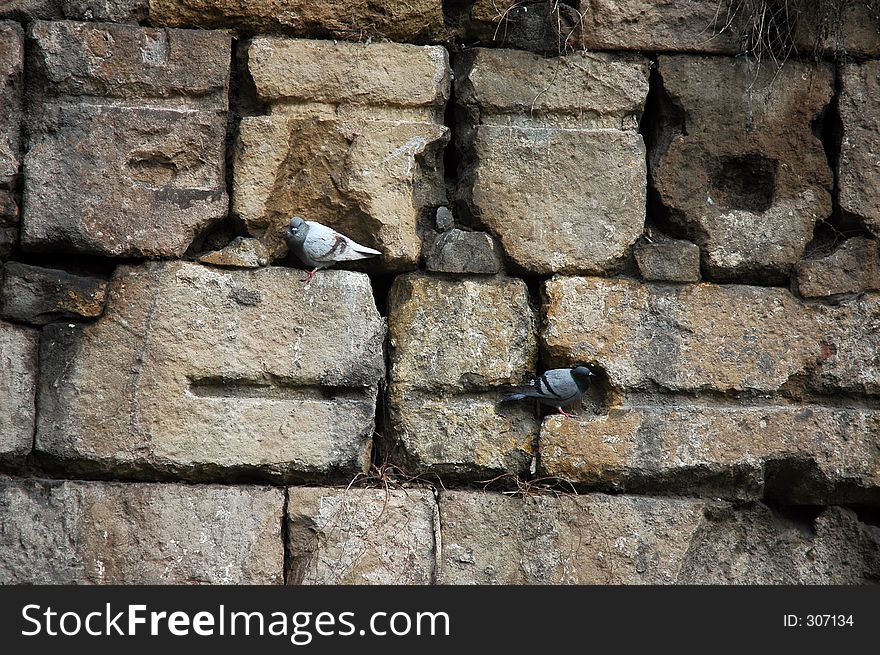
<point>310,275</point>
<point>563,412</point>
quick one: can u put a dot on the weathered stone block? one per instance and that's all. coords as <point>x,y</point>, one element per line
<point>822,455</point>
<point>668,260</point>
<point>457,251</point>
<point>745,177</point>
<point>859,164</point>
<point>353,140</point>
<point>687,339</point>
<point>110,11</point>
<point>109,533</point>
<point>18,383</point>
<point>597,539</point>
<point>207,373</point>
<point>11,68</point>
<point>127,129</point>
<point>557,27</point>
<point>551,161</point>
<point>31,294</point>
<point>354,20</point>
<point>361,536</point>
<point>453,343</point>
<point>854,267</point>
<point>26,10</point>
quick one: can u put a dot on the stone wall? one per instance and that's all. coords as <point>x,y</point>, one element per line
<point>608,183</point>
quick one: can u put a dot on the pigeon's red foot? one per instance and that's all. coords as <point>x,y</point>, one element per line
<point>563,412</point>
<point>310,275</point>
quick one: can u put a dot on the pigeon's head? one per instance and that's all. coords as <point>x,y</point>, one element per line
<point>582,376</point>
<point>297,230</point>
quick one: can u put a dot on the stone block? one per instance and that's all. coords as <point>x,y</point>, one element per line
<point>36,295</point>
<point>741,171</point>
<point>361,536</point>
<point>668,260</point>
<point>853,267</point>
<point>127,131</point>
<point>550,158</point>
<point>69,532</point>
<point>203,373</point>
<point>354,139</point>
<point>11,87</point>
<point>18,383</point>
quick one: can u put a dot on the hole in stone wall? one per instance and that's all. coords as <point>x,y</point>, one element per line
<point>745,182</point>
<point>795,480</point>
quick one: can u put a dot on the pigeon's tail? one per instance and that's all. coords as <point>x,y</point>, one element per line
<point>516,394</point>
<point>364,251</point>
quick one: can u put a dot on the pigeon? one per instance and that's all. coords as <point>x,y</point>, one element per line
<point>556,387</point>
<point>319,246</point>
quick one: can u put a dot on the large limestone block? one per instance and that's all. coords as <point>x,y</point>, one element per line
<point>205,373</point>
<point>127,131</point>
<point>597,539</point>
<point>741,170</point>
<point>701,338</point>
<point>454,342</point>
<point>353,139</point>
<point>68,532</point>
<point>11,68</point>
<point>809,454</point>
<point>18,383</point>
<point>361,536</point>
<point>551,160</point>
<point>859,165</point>
<point>354,20</point>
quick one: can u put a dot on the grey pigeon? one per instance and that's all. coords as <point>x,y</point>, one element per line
<point>556,387</point>
<point>319,246</point>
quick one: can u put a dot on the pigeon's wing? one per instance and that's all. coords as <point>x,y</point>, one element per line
<point>325,246</point>
<point>556,385</point>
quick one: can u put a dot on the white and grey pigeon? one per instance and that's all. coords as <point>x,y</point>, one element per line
<point>319,246</point>
<point>556,387</point>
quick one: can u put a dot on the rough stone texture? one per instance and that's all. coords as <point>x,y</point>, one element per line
<point>453,343</point>
<point>18,383</point>
<point>596,539</point>
<point>457,251</point>
<point>241,253</point>
<point>127,129</point>
<point>11,68</point>
<point>733,452</point>
<point>853,267</point>
<point>740,170</point>
<point>859,165</point>
<point>550,159</point>
<point>8,241</point>
<point>354,140</point>
<point>205,373</point>
<point>687,339</point>
<point>110,11</point>
<point>109,533</point>
<point>355,20</point>
<point>31,294</point>
<point>25,10</point>
<point>361,536</point>
<point>650,26</point>
<point>668,260</point>
<point>853,29</point>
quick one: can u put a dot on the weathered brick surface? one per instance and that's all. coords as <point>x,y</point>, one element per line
<point>596,539</point>
<point>551,161</point>
<point>354,20</point>
<point>126,137</point>
<point>202,373</point>
<point>721,451</point>
<point>36,295</point>
<point>18,382</point>
<point>687,339</point>
<point>859,165</point>
<point>11,69</point>
<point>361,536</point>
<point>108,533</point>
<point>353,140</point>
<point>741,170</point>
<point>453,343</point>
